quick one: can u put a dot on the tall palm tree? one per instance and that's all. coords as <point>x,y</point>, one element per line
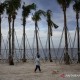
<point>9,13</point>
<point>12,7</point>
<point>37,17</point>
<point>2,7</point>
<point>76,8</point>
<point>25,13</point>
<point>15,6</point>
<point>64,5</point>
<point>50,25</point>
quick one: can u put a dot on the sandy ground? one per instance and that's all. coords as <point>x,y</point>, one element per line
<point>50,71</point>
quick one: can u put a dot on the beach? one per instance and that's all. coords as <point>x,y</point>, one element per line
<point>50,71</point>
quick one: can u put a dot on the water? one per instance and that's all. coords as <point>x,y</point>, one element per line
<point>44,53</point>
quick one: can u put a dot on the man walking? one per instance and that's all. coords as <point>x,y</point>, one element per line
<point>37,62</point>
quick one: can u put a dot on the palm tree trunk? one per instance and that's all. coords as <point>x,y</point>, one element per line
<point>12,42</point>
<point>66,55</point>
<point>10,56</point>
<point>49,44</point>
<point>0,35</point>
<point>36,31</point>
<point>24,57</point>
<point>78,42</point>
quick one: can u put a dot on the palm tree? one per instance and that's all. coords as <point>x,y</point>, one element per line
<point>2,7</point>
<point>9,13</point>
<point>25,13</point>
<point>15,6</point>
<point>50,25</point>
<point>76,8</point>
<point>64,5</point>
<point>12,7</point>
<point>36,17</point>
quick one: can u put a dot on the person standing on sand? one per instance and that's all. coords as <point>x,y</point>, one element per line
<point>37,62</point>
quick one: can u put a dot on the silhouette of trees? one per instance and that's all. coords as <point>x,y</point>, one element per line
<point>37,17</point>
<point>50,25</point>
<point>64,5</point>
<point>25,13</point>
<point>11,7</point>
<point>76,8</point>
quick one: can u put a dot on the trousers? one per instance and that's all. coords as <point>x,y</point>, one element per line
<point>37,67</point>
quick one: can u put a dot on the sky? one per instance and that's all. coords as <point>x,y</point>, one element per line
<point>57,17</point>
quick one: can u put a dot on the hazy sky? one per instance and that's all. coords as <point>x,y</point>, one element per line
<point>57,17</point>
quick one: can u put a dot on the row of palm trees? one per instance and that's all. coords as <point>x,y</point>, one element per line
<point>11,7</point>
<point>76,7</point>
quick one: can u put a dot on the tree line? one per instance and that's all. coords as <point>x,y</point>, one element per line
<point>12,6</point>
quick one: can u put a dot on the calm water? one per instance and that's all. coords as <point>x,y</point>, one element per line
<point>44,53</point>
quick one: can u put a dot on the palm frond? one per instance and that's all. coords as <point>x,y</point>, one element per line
<point>15,4</point>
<point>2,7</point>
<point>60,2</point>
<point>76,6</point>
<point>55,25</point>
<point>49,14</point>
<point>32,6</point>
<point>12,5</point>
<point>64,3</point>
<point>41,12</point>
<point>27,9</point>
<point>37,15</point>
<point>68,3</point>
<point>50,22</point>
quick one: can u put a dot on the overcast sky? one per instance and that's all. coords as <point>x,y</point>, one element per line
<point>57,17</point>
